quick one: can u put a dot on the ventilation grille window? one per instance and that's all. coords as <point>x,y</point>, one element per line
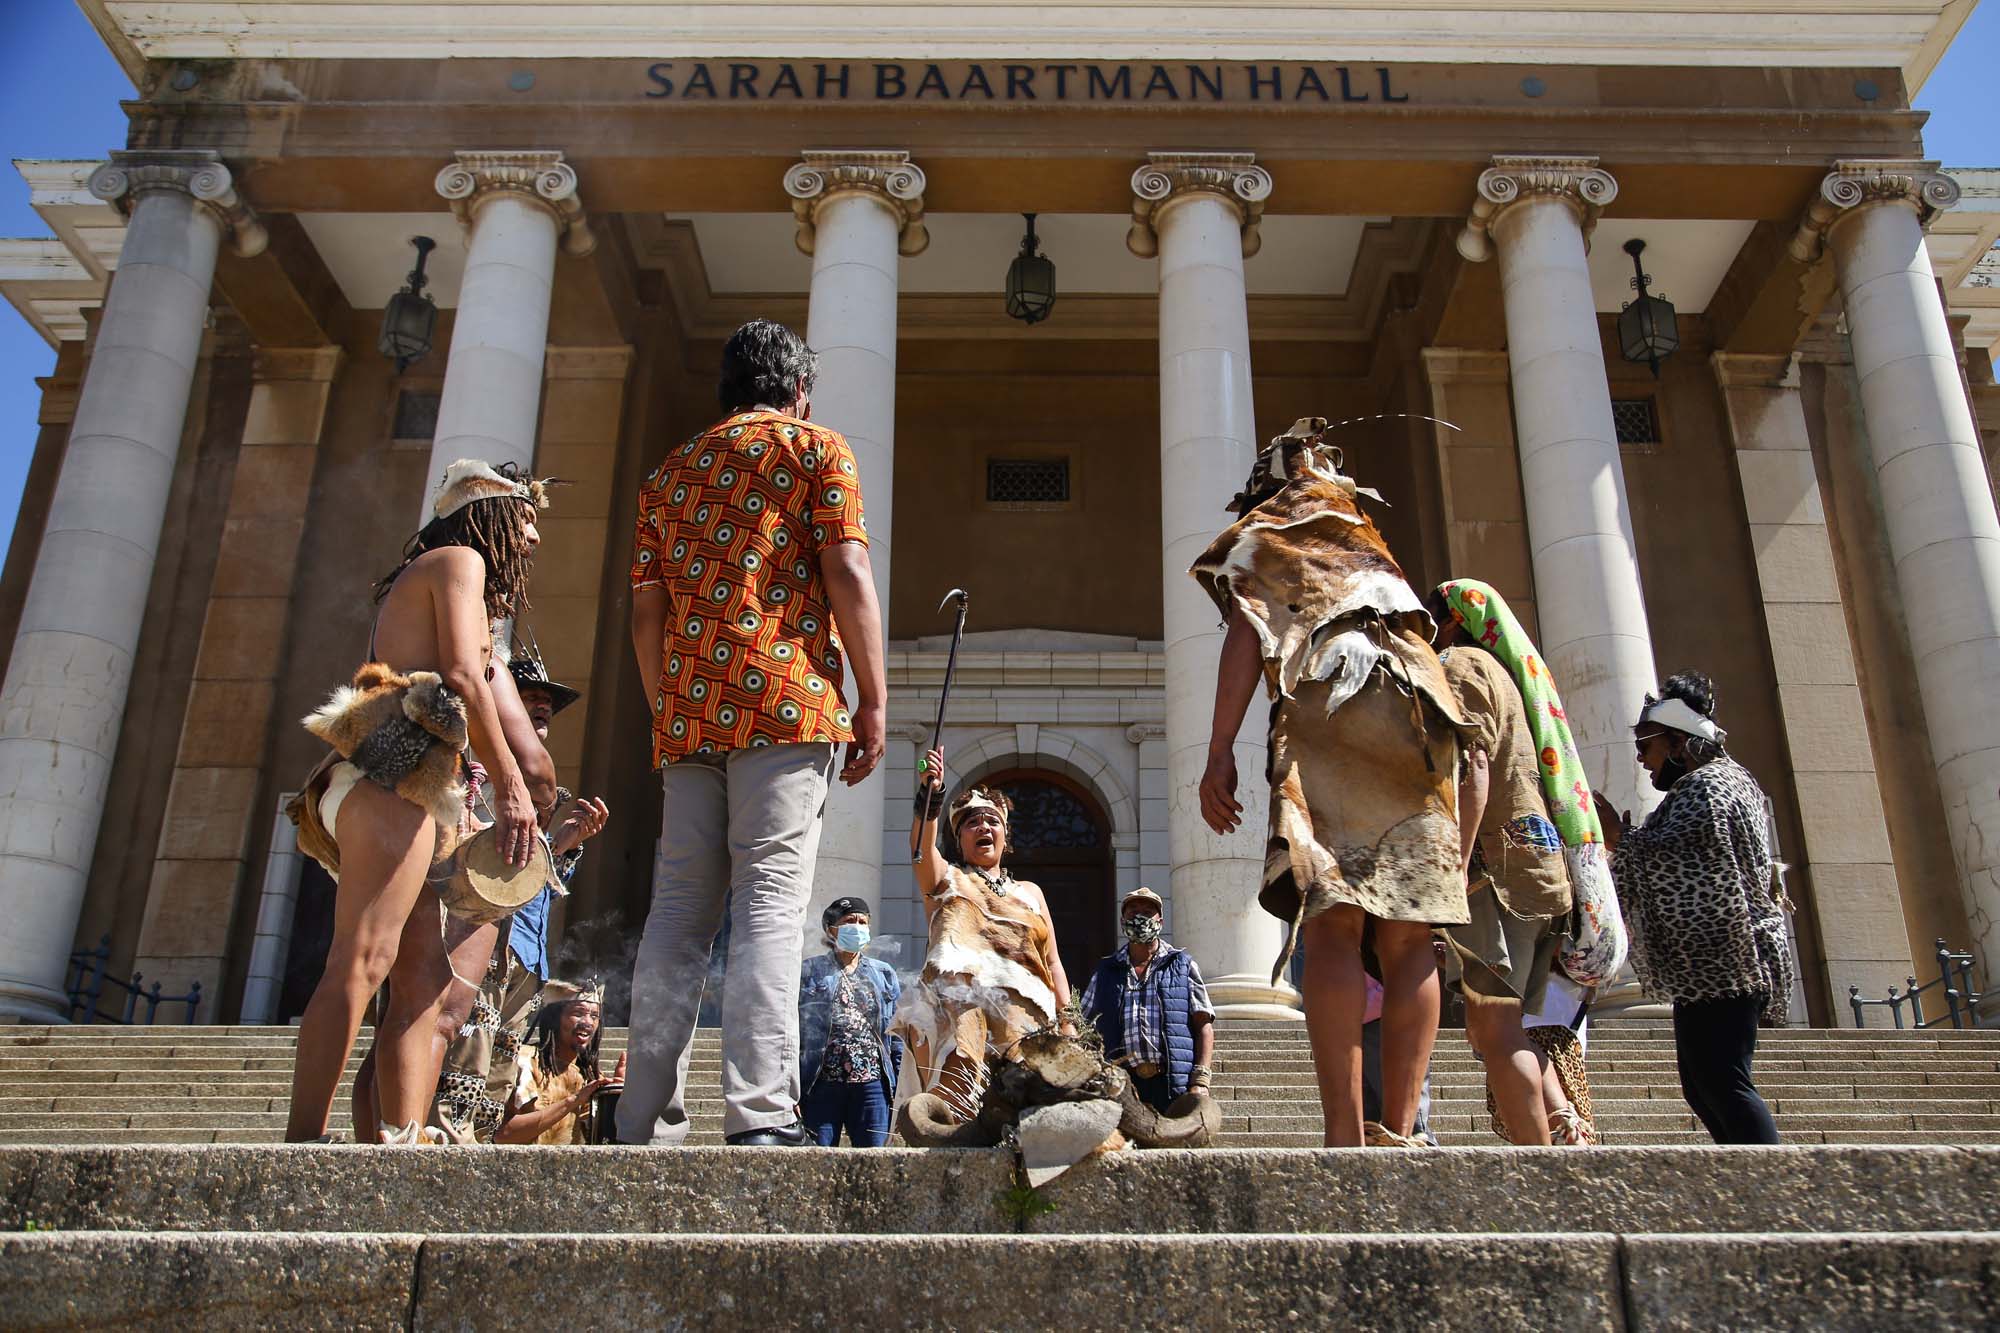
<point>417,414</point>
<point>1033,481</point>
<point>1636,420</point>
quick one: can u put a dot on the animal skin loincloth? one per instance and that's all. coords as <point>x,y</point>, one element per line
<point>405,733</point>
<point>1363,757</point>
<point>987,983</point>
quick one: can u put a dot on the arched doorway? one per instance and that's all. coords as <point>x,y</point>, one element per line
<point>1061,840</point>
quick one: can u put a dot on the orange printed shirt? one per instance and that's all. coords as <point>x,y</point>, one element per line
<point>732,525</point>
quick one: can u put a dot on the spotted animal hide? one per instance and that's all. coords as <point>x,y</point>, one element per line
<point>987,983</point>
<point>1365,730</point>
<point>404,733</point>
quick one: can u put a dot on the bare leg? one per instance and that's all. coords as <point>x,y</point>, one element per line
<point>367,1116</point>
<point>409,1049</point>
<point>1513,1067</point>
<point>1409,1017</point>
<point>385,848</point>
<point>1335,997</point>
<point>1554,1099</point>
<point>471,950</point>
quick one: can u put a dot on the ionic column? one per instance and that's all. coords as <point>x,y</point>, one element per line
<point>1198,212</point>
<point>1937,499</point>
<point>515,207</point>
<point>64,698</point>
<point>1538,212</point>
<point>857,211</point>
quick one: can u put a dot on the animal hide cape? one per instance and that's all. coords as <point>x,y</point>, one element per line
<point>404,733</point>
<point>1363,759</point>
<point>987,983</point>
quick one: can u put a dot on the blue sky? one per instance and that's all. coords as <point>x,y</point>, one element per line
<point>60,89</point>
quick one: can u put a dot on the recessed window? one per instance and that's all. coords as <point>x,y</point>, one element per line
<point>1028,481</point>
<point>417,414</point>
<point>1636,420</point>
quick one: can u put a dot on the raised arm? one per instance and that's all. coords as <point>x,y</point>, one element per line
<point>465,650</point>
<point>930,864</point>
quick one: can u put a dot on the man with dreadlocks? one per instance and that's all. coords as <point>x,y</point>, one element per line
<point>396,799</point>
<point>1363,765</point>
<point>557,1080</point>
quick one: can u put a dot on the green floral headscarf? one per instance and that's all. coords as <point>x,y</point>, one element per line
<point>1598,949</point>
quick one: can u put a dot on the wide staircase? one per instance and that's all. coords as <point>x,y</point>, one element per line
<point>99,1085</point>
<point>141,1191</point>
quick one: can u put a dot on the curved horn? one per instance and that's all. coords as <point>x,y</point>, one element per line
<point>926,1122</point>
<point>1192,1121</point>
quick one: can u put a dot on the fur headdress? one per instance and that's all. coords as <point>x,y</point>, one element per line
<point>563,992</point>
<point>471,479</point>
<point>976,799</point>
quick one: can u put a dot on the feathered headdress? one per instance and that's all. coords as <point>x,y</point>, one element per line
<point>472,479</point>
<point>1302,451</point>
<point>531,673</point>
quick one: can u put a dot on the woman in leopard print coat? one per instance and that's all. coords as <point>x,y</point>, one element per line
<point>1696,885</point>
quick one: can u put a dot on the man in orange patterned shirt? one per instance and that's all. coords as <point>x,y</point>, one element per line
<point>749,575</point>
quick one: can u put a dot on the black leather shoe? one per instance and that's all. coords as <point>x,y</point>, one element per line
<point>774,1136</point>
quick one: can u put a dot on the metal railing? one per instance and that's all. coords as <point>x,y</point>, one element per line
<point>1954,981</point>
<point>86,982</point>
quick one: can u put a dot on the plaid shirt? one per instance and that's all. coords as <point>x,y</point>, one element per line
<point>1145,1014</point>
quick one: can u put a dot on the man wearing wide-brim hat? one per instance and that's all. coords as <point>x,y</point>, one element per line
<point>1151,1006</point>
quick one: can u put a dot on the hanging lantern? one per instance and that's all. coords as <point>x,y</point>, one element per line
<point>1031,280</point>
<point>410,318</point>
<point>1646,328</point>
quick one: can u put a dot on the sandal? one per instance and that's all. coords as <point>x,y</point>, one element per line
<point>1567,1129</point>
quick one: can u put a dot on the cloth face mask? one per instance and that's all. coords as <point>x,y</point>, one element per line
<point>1142,929</point>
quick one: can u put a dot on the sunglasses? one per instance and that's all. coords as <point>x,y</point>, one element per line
<point>1639,742</point>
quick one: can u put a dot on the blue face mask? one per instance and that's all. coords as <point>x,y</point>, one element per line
<point>851,938</point>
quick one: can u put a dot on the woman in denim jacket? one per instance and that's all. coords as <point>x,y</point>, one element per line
<point>847,1059</point>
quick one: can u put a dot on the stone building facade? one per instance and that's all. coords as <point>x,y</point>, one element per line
<point>1378,212</point>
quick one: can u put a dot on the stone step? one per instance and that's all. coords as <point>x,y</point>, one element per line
<point>1455,1127</point>
<point>1576,1280</point>
<point>1245,1101</point>
<point>715,1190</point>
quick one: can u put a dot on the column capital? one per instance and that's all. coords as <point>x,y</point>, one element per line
<point>477,175</point>
<point>1576,181</point>
<point>886,175</point>
<point>197,172</point>
<point>1857,182</point>
<point>1233,177</point>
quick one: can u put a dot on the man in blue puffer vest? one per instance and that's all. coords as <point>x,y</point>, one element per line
<point>1151,1006</point>
<point>847,1058</point>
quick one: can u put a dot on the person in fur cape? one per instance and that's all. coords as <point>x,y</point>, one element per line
<point>397,796</point>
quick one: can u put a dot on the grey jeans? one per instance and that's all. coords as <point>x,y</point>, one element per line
<point>738,832</point>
